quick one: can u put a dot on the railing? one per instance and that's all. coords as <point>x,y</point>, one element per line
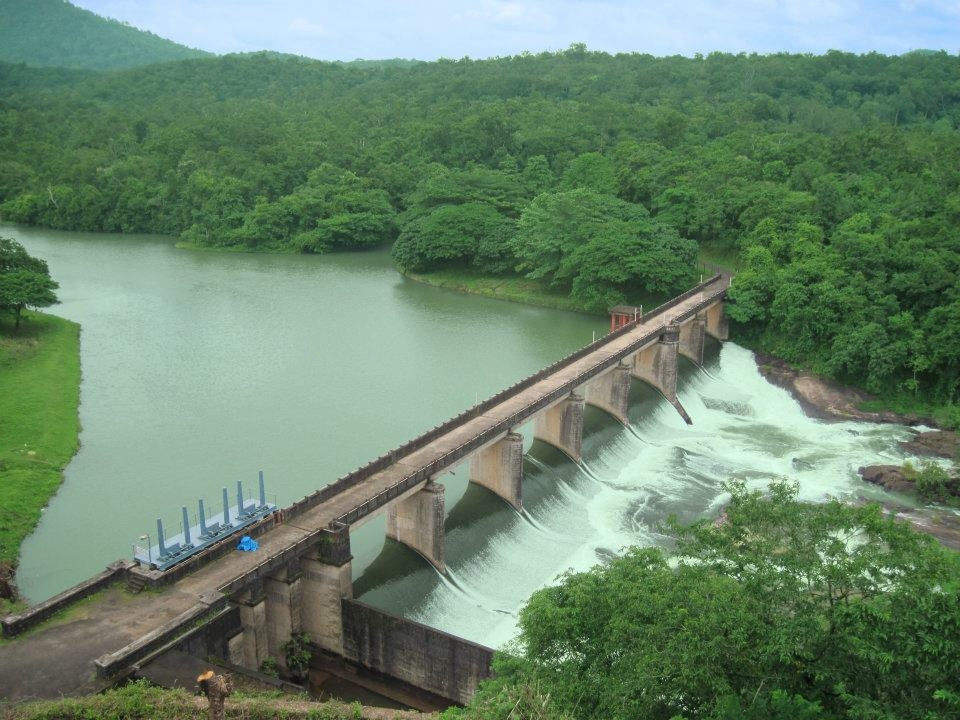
<point>450,457</point>
<point>386,460</point>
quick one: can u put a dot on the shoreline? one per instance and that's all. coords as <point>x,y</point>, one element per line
<point>827,399</point>
<point>40,388</point>
<point>508,288</point>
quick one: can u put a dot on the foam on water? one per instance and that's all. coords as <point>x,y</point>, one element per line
<point>631,479</point>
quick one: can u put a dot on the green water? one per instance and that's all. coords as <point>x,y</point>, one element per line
<point>201,368</point>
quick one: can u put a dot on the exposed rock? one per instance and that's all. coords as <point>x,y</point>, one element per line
<point>825,399</point>
<point>889,477</point>
<point>941,443</point>
<point>941,524</point>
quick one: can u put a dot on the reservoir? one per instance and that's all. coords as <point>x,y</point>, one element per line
<point>201,368</point>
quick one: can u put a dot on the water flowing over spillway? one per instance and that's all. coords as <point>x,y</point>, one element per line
<point>201,368</point>
<point>630,481</point>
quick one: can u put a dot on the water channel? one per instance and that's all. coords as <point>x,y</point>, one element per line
<point>200,368</point>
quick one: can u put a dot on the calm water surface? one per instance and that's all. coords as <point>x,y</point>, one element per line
<point>201,368</point>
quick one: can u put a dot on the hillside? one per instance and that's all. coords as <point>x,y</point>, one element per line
<point>830,180</point>
<point>56,33</point>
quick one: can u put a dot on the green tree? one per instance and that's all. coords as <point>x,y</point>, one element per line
<point>591,171</point>
<point>784,609</point>
<point>600,247</point>
<point>472,233</point>
<point>25,288</point>
<point>24,280</point>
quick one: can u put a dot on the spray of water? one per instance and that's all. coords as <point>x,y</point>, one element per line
<point>630,480</point>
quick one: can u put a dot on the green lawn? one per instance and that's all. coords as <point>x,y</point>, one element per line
<point>39,396</point>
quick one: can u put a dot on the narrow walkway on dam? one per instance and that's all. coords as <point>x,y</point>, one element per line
<point>57,657</point>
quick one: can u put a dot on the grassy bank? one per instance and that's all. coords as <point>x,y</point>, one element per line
<point>515,289</point>
<point>183,245</point>
<point>39,397</point>
<point>140,701</point>
<point>533,292</point>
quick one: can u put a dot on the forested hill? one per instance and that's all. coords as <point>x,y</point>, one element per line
<point>835,179</point>
<point>57,34</point>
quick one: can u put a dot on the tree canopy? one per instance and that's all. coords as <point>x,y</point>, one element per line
<point>783,610</point>
<point>57,33</point>
<point>831,182</point>
<point>24,280</point>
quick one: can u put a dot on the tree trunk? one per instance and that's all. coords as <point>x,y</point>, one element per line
<point>216,688</point>
<point>16,324</point>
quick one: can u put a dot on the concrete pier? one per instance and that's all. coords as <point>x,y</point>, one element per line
<point>657,364</point>
<point>562,425</point>
<point>611,392</point>
<point>327,578</point>
<point>692,335</point>
<point>283,590</point>
<point>253,620</point>
<point>417,521</point>
<point>499,468</point>
<point>718,325</point>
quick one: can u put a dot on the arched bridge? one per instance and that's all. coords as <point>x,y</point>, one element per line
<point>301,577</point>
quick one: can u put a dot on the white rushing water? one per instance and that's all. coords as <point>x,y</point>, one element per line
<point>631,479</point>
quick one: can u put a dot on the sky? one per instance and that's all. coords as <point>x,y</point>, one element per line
<point>428,29</point>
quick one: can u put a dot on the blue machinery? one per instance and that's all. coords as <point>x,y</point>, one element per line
<point>194,538</point>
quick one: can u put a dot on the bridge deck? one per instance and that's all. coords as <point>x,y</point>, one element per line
<point>26,666</point>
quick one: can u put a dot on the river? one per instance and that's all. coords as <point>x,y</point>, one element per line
<point>200,368</point>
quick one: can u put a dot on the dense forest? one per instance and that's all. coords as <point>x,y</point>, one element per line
<point>831,182</point>
<point>56,33</point>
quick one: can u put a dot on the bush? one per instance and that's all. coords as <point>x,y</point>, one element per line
<point>786,610</point>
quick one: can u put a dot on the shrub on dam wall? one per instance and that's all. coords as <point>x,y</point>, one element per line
<point>783,609</point>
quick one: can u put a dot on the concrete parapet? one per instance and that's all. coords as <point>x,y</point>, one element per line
<point>611,392</point>
<point>499,468</point>
<point>333,547</point>
<point>562,425</point>
<point>692,335</point>
<point>115,663</point>
<point>18,622</point>
<point>718,325</point>
<point>417,521</point>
